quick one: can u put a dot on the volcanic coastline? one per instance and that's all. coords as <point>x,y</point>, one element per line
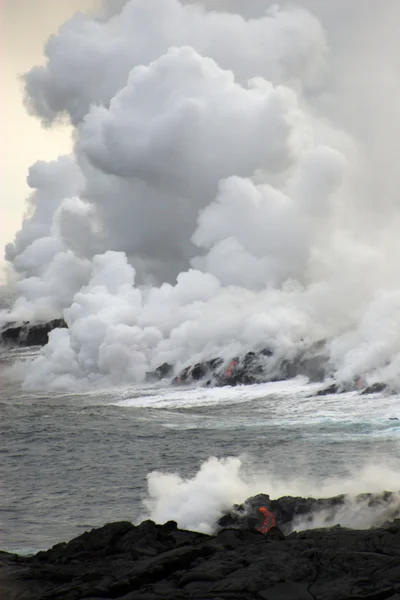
<point>243,560</point>
<point>259,366</point>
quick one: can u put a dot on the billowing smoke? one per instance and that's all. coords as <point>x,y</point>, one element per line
<point>220,193</point>
<point>197,502</point>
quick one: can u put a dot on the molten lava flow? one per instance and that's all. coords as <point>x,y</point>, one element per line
<point>229,370</point>
<point>184,375</point>
<point>269,520</point>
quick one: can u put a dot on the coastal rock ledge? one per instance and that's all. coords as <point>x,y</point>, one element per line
<point>161,562</point>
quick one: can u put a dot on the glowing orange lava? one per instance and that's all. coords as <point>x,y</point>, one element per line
<point>269,520</point>
<point>228,372</point>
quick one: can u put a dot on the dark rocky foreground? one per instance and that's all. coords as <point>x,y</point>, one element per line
<point>161,562</point>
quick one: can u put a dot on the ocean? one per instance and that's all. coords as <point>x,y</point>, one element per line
<point>70,462</point>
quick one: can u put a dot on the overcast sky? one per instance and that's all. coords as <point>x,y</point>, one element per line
<point>25,27</point>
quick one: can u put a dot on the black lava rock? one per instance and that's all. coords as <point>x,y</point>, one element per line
<point>154,562</point>
<point>256,367</point>
<point>375,388</point>
<point>289,510</point>
<point>331,389</point>
<point>162,372</point>
<point>30,334</point>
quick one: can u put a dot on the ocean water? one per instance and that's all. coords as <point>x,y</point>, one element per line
<point>69,462</point>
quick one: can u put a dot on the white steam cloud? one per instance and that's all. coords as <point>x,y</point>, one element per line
<point>227,189</point>
<point>197,502</point>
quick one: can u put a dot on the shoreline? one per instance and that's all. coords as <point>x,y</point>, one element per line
<point>239,562</point>
<point>250,367</point>
<point>150,562</point>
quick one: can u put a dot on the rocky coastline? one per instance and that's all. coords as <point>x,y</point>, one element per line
<point>258,366</point>
<point>239,562</point>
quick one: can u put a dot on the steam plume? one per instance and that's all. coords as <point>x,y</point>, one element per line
<point>217,196</point>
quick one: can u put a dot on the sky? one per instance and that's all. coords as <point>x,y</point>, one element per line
<point>25,27</point>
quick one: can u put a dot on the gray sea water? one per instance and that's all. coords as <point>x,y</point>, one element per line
<point>69,462</point>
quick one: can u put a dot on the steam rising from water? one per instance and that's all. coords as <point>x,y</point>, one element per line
<point>196,503</point>
<point>227,188</point>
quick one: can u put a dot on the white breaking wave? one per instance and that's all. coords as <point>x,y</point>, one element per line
<point>203,396</point>
<point>233,183</point>
<point>288,404</point>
